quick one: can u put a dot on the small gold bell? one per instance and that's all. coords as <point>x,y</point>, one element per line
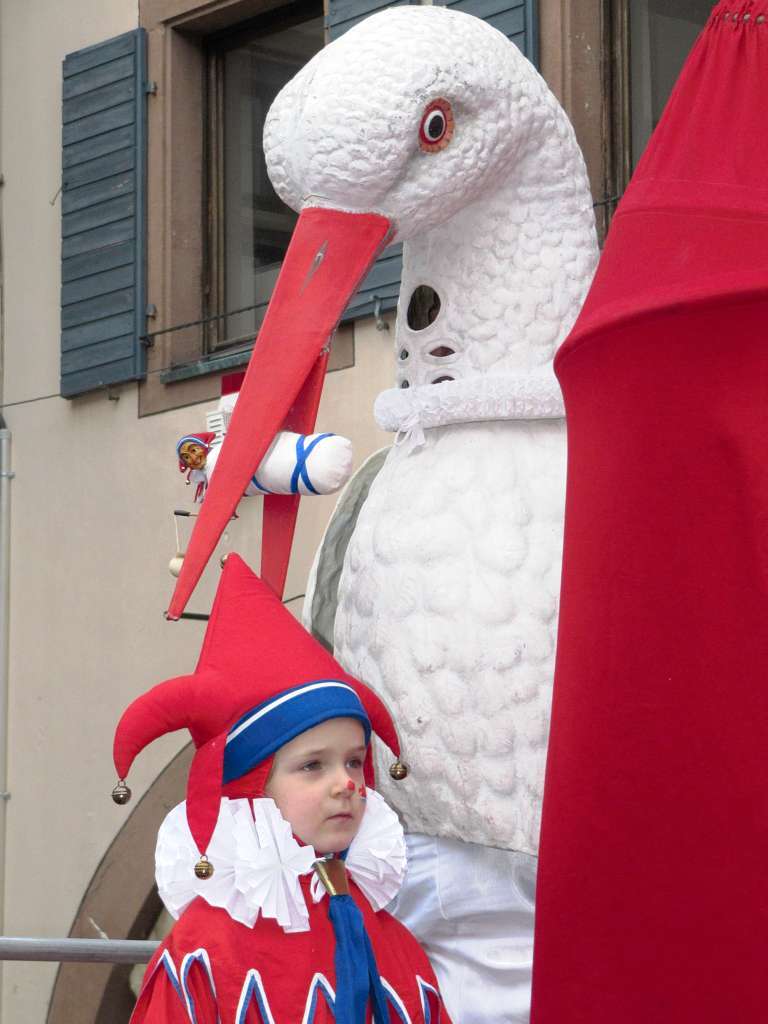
<point>398,771</point>
<point>121,794</point>
<point>203,868</point>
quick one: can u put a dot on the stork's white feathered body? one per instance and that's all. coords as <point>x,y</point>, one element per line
<point>448,608</point>
<point>448,598</point>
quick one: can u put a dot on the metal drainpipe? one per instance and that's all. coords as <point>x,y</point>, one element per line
<point>6,476</point>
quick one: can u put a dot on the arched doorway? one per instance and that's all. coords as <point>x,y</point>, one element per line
<point>121,901</point>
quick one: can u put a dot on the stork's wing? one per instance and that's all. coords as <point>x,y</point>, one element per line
<point>321,599</point>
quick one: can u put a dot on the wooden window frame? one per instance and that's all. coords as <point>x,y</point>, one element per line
<point>214,340</point>
<point>178,214</point>
<point>585,58</point>
<point>577,59</point>
<point>619,136</point>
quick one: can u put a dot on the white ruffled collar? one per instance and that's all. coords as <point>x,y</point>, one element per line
<point>258,862</point>
<point>498,396</point>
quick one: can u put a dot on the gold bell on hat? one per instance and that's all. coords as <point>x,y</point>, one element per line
<point>121,794</point>
<point>203,868</point>
<point>398,771</point>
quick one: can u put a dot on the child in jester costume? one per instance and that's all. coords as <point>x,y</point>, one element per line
<point>280,861</point>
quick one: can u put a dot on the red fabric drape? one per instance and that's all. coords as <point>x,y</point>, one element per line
<point>652,902</point>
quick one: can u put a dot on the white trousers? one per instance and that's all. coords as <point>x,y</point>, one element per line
<point>471,908</point>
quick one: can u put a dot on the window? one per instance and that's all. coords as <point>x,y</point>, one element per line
<point>661,34</point>
<point>249,226</point>
<point>216,230</point>
<point>648,42</point>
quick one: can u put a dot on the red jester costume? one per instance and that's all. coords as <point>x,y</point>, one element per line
<point>269,929</point>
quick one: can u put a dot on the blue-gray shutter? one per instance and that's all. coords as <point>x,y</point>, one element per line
<point>517,19</point>
<point>343,14</point>
<point>103,234</point>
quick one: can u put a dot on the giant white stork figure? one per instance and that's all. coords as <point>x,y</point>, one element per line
<point>447,603</point>
<point>428,126</point>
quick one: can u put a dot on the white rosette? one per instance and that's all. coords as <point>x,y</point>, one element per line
<point>176,855</point>
<point>377,857</point>
<point>269,864</point>
<point>257,864</point>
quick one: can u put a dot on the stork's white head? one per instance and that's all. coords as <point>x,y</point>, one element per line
<point>351,129</point>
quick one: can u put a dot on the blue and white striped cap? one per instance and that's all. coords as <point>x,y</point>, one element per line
<point>264,729</point>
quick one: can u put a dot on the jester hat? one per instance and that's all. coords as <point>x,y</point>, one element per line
<point>261,680</point>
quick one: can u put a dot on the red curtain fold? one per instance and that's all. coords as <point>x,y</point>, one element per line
<point>652,902</point>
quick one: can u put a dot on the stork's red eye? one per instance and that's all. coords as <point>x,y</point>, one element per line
<point>436,126</point>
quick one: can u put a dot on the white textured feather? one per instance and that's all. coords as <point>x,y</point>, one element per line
<point>448,608</point>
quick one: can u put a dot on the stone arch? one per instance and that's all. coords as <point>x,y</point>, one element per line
<point>121,899</point>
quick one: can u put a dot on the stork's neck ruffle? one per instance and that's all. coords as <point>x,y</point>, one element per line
<point>533,396</point>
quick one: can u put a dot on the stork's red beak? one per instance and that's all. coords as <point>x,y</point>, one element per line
<point>329,254</point>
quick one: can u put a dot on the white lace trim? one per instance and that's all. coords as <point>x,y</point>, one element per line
<point>493,397</point>
<point>257,862</point>
<point>377,858</point>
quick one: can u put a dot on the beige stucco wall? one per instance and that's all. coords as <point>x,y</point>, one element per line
<point>92,530</point>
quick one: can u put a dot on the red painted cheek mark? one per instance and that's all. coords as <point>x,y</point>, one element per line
<point>351,786</point>
<point>363,792</point>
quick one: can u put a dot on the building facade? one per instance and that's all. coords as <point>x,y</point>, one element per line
<point>140,240</point>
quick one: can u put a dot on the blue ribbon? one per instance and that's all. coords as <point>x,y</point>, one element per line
<point>261,487</point>
<point>357,976</point>
<point>302,454</point>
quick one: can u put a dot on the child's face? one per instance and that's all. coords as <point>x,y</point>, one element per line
<point>316,780</point>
